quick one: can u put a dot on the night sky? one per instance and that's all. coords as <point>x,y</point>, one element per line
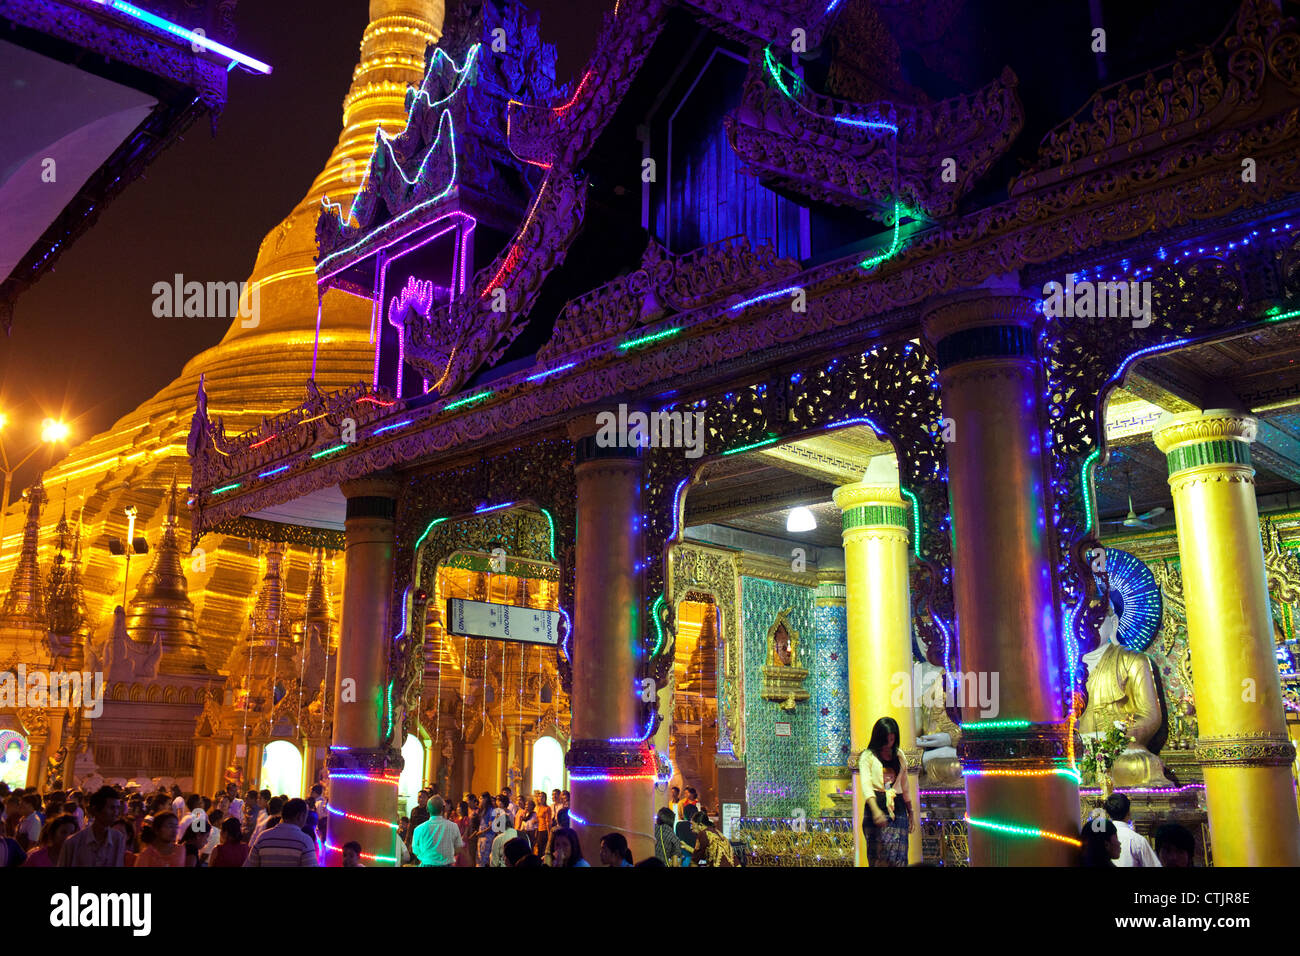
<point>85,345</point>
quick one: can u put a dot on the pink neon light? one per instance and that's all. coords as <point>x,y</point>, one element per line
<point>368,398</point>
<point>576,93</point>
<point>262,442</point>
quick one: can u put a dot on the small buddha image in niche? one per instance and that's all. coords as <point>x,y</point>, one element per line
<point>783,678</point>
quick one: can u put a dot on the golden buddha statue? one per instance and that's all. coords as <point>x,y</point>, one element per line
<point>1121,688</point>
<point>936,734</point>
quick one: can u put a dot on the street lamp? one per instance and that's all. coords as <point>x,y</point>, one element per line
<point>132,545</point>
<point>52,432</point>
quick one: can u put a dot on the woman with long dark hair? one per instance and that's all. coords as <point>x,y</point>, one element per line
<point>887,816</point>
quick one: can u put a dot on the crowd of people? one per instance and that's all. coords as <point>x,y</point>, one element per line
<point>109,828</point>
<point>166,827</point>
<point>497,830</point>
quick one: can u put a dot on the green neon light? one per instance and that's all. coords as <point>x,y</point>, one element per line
<point>427,530</point>
<point>997,725</point>
<point>329,451</point>
<point>1276,314</point>
<point>551,522</point>
<point>389,734</point>
<point>654,614</point>
<point>916,520</point>
<point>894,245</point>
<point>653,337</point>
<point>1089,506</point>
<point>1013,830</point>
<point>217,491</point>
<point>467,400</point>
<point>757,444</point>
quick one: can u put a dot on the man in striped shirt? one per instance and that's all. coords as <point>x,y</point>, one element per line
<point>285,844</point>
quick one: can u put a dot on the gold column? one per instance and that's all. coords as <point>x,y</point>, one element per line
<point>503,757</point>
<point>363,760</point>
<point>1003,581</point>
<point>1243,748</point>
<point>879,623</point>
<point>607,653</point>
<point>202,768</point>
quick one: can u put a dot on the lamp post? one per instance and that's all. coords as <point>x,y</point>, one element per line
<point>52,432</point>
<point>132,545</point>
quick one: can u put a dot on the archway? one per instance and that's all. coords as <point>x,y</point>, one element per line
<point>548,765</point>
<point>13,759</point>
<point>282,768</point>
<point>412,778</point>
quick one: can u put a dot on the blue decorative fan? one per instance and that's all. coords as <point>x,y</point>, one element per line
<point>1135,596</point>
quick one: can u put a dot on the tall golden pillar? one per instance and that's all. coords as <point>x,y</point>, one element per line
<point>606,759</point>
<point>1022,805</point>
<point>879,623</point>
<point>1243,748</point>
<point>363,767</point>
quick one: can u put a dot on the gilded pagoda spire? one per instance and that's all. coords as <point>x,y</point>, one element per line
<point>317,606</point>
<point>66,612</point>
<point>267,622</point>
<point>162,605</point>
<point>24,604</point>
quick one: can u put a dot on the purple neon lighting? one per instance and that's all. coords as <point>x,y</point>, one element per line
<point>405,594</point>
<point>679,507</point>
<point>389,428</point>
<point>486,509</point>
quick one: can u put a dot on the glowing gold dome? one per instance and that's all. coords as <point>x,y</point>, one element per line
<point>252,372</point>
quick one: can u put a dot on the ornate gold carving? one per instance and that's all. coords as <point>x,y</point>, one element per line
<point>1194,427</point>
<point>1261,749</point>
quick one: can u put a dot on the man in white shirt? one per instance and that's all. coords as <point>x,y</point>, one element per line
<point>1134,850</point>
<point>505,832</point>
<point>178,802</point>
<point>236,805</point>
<point>437,840</point>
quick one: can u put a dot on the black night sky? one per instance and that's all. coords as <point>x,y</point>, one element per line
<point>85,345</point>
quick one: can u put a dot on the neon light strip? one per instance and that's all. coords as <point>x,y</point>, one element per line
<point>679,508</point>
<point>1022,831</point>
<point>874,261</point>
<point>263,442</point>
<point>551,522</point>
<point>273,471</point>
<point>189,36</point>
<point>1089,509</point>
<point>357,775</point>
<point>997,725</point>
<point>365,856</point>
<point>435,521</point>
<point>541,375</point>
<point>611,778</point>
<point>223,488</point>
<point>389,428</point>
<point>451,186</point>
<point>376,401</point>
<point>486,509</point>
<point>916,519</point>
<point>1056,772</point>
<point>757,444</point>
<point>329,451</point>
<point>654,616</point>
<point>466,401</point>
<point>512,258</point>
<point>358,818</point>
<point>654,337</point>
<point>766,295</point>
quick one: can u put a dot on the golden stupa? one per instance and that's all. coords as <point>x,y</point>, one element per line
<point>252,373</point>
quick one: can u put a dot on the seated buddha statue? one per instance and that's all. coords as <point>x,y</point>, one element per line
<point>936,734</point>
<point>1121,688</point>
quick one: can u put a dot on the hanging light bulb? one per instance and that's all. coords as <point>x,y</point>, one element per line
<point>801,519</point>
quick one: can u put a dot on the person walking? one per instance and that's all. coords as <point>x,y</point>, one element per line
<point>160,846</point>
<point>887,817</point>
<point>232,850</point>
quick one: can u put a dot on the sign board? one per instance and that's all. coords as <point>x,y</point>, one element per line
<point>730,818</point>
<point>503,622</point>
<point>783,730</point>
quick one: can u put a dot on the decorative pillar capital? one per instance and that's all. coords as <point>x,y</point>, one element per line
<point>1214,438</point>
<point>381,484</point>
<point>872,508</point>
<point>981,325</point>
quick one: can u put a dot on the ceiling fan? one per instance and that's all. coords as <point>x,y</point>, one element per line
<point>1133,519</point>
